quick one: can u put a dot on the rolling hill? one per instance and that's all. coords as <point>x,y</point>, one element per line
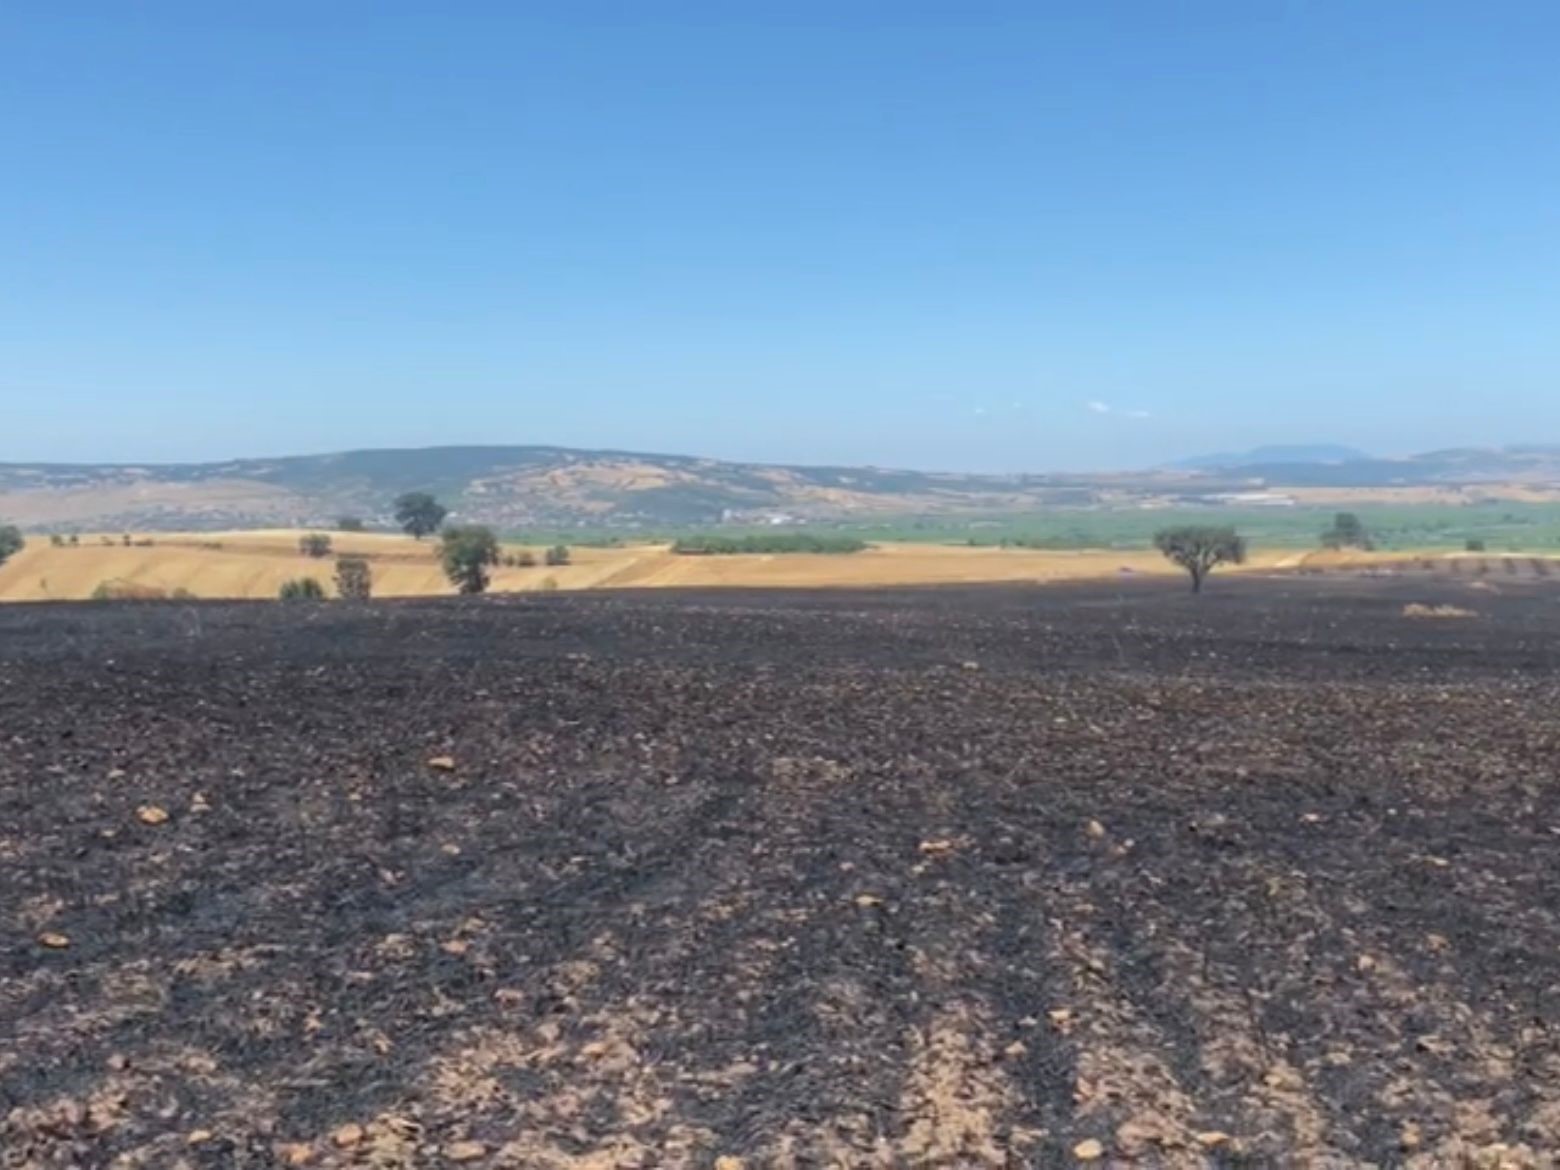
<point>520,487</point>
<point>511,487</point>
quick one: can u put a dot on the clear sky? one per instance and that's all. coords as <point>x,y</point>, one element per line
<point>969,234</point>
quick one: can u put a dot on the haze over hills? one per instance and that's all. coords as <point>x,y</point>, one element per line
<point>530,486</point>
<point>1303,453</point>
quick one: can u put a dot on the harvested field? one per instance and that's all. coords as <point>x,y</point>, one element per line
<point>941,878</point>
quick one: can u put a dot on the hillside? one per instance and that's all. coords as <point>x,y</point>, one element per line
<point>535,487</point>
<point>511,487</point>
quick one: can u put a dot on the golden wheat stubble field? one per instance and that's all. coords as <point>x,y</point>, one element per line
<point>254,564</point>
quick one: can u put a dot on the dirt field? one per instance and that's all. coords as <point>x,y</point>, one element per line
<point>944,878</point>
<point>249,565</point>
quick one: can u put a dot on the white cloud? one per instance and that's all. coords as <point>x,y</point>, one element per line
<point>1098,407</point>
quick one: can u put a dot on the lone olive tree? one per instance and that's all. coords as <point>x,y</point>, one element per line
<point>1198,548</point>
<point>1347,532</point>
<point>11,542</point>
<point>419,513</point>
<point>467,551</point>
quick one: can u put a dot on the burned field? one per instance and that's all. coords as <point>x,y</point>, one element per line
<point>975,877</point>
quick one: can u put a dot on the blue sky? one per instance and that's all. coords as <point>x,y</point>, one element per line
<point>982,235</point>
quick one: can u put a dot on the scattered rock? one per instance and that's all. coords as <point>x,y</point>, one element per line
<point>348,1135</point>
<point>1410,1136</point>
<point>1089,1150</point>
<point>53,940</point>
<point>296,1154</point>
<point>1213,1139</point>
<point>467,1151</point>
<point>1095,830</point>
<point>936,848</point>
<point>727,1162</point>
<point>868,901</point>
<point>151,814</point>
<point>442,763</point>
<point>199,1137</point>
<point>455,946</point>
<point>1015,1050</point>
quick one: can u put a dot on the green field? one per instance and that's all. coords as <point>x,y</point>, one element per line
<point>1504,527</point>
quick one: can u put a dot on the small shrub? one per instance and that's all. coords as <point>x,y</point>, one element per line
<point>1473,544</point>
<point>120,590</point>
<point>558,555</point>
<point>301,589</point>
<point>56,540</point>
<point>182,594</point>
<point>314,544</point>
<point>354,581</point>
<point>525,559</point>
<point>74,540</point>
<point>350,524</point>
<point>548,585</point>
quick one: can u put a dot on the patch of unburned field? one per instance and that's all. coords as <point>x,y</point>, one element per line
<point>254,565</point>
<point>939,879</point>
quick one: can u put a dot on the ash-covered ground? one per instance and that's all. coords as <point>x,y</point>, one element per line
<point>945,878</point>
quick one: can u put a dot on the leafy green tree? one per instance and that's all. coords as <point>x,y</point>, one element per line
<point>419,513</point>
<point>354,581</point>
<point>350,524</point>
<point>302,589</point>
<point>1198,548</point>
<point>1347,532</point>
<point>11,542</point>
<point>558,555</point>
<point>467,552</point>
<point>314,544</point>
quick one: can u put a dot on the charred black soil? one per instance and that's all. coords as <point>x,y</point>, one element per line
<point>923,879</point>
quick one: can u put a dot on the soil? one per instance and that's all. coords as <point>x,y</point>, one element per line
<point>944,878</point>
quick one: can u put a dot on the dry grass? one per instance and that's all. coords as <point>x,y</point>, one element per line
<point>254,564</point>
<point>1416,610</point>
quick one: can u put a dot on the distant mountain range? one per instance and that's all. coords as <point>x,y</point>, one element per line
<point>540,487</point>
<point>1314,453</point>
<point>1328,465</point>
